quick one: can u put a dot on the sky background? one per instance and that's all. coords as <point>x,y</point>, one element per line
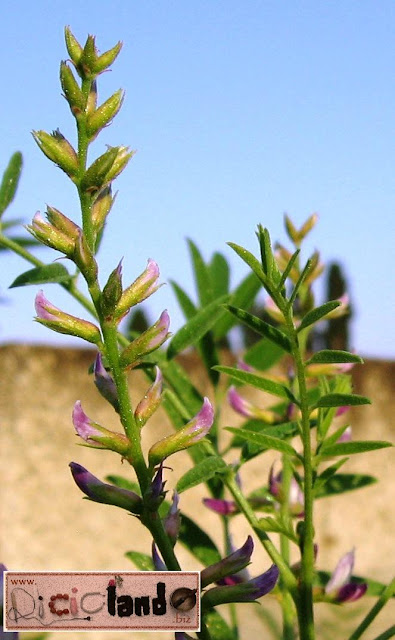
<point>239,111</point>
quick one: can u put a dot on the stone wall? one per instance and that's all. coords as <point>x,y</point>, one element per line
<point>46,526</point>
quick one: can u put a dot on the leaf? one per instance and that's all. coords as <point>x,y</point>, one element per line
<point>186,304</point>
<point>142,561</point>
<point>10,181</point>
<point>318,313</point>
<point>263,355</point>
<point>198,542</point>
<point>53,272</point>
<point>202,275</point>
<point>196,327</point>
<point>330,356</point>
<point>216,626</point>
<point>220,275</point>
<point>282,431</point>
<point>202,472</point>
<point>22,241</point>
<point>342,482</point>
<point>243,297</point>
<point>341,400</point>
<point>262,328</point>
<point>269,442</point>
<point>349,448</point>
<point>264,384</point>
<point>271,524</point>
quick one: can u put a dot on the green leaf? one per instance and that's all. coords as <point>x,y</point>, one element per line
<point>142,561</point>
<point>196,327</point>
<point>198,542</point>
<point>262,328</point>
<point>342,482</point>
<point>54,272</point>
<point>186,304</point>
<point>318,313</point>
<point>282,431</point>
<point>341,400</point>
<point>10,181</point>
<point>242,297</point>
<point>220,275</point>
<point>330,356</point>
<point>271,524</point>
<point>22,241</point>
<point>263,355</point>
<point>202,275</point>
<point>251,260</point>
<point>264,384</point>
<point>216,626</point>
<point>202,472</point>
<point>269,442</point>
<point>349,448</point>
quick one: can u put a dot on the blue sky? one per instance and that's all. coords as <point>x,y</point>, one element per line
<point>239,111</point>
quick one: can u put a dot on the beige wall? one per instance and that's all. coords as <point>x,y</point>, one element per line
<point>46,526</point>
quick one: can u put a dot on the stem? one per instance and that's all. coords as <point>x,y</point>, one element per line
<point>287,606</point>
<point>370,616</point>
<point>305,608</point>
<point>286,574</point>
<point>83,145</point>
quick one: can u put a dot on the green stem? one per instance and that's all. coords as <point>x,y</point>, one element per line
<point>287,605</point>
<point>305,608</point>
<point>83,145</point>
<point>388,592</point>
<point>287,576</point>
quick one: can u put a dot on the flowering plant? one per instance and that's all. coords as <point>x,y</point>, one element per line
<point>308,391</point>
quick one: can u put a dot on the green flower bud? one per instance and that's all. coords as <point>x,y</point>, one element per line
<point>91,103</point>
<point>104,114</point>
<point>51,236</point>
<point>186,437</point>
<point>74,48</point>
<point>59,150</point>
<point>107,58</point>
<point>96,176</point>
<point>87,59</point>
<point>147,342</point>
<point>61,222</point>
<point>121,160</point>
<point>84,259</point>
<point>71,89</point>
<point>101,208</point>
<point>112,291</point>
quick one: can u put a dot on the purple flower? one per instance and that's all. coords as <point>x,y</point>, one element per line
<point>194,431</point>
<point>295,497</point>
<point>144,286</point>
<point>172,522</point>
<point>243,592</point>
<point>222,507</point>
<point>157,560</point>
<point>340,588</point>
<point>104,383</point>
<point>97,436</point>
<point>57,320</point>
<point>247,409</point>
<point>231,564</point>
<point>99,491</point>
